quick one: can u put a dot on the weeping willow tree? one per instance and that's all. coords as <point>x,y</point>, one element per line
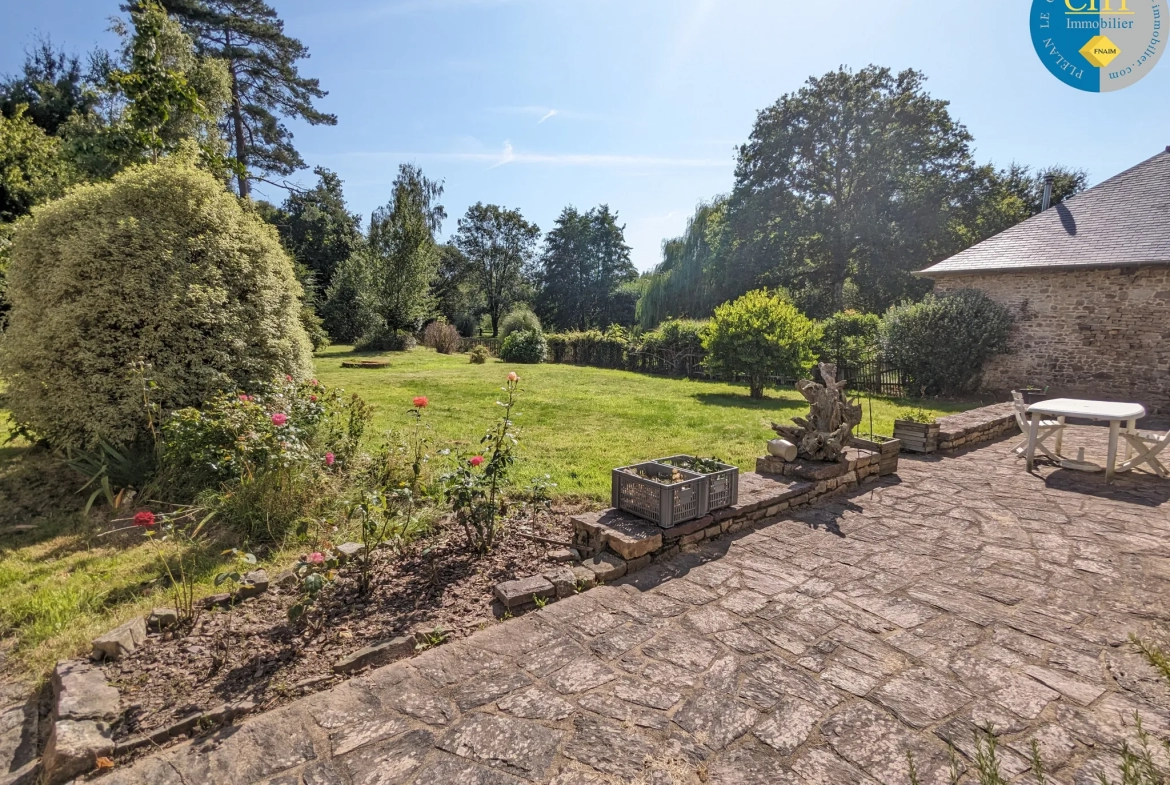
<point>688,282</point>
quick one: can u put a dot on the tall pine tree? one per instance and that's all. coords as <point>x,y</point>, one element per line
<point>585,262</point>
<point>266,85</point>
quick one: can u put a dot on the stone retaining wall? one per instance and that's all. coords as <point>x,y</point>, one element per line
<point>612,543</point>
<point>984,424</point>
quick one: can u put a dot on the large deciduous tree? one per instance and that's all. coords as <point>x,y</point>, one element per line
<point>500,246</point>
<point>584,265</point>
<point>852,176</point>
<point>266,84</point>
<point>688,282</point>
<point>52,85</point>
<point>317,229</point>
<point>156,96</point>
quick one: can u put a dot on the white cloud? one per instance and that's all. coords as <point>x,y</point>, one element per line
<point>509,155</point>
<point>550,113</point>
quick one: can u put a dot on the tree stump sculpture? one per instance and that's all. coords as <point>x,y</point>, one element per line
<point>825,433</point>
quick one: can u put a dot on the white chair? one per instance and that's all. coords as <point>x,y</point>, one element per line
<point>1147,446</point>
<point>1046,429</point>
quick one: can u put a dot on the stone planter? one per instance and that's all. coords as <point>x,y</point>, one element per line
<point>917,436</point>
<point>885,446</point>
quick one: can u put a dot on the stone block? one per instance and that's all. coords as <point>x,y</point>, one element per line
<point>120,641</point>
<point>563,555</point>
<point>519,592</point>
<point>254,584</point>
<point>162,619</point>
<point>563,579</point>
<point>633,565</point>
<point>584,577</point>
<point>73,749</point>
<point>689,527</point>
<point>347,551</point>
<point>605,567</point>
<point>624,534</point>
<point>376,654</point>
<point>80,692</point>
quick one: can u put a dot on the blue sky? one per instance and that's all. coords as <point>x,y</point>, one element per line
<point>537,104</point>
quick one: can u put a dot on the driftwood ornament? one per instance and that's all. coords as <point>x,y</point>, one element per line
<point>825,433</point>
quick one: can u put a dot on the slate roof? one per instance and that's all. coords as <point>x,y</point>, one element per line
<point>1121,222</point>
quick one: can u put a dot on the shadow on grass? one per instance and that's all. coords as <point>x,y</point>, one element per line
<point>747,402</point>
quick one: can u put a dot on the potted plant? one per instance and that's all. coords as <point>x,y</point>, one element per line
<point>887,447</point>
<point>917,431</point>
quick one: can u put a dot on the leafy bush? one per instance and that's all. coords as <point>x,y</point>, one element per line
<point>261,461</point>
<point>520,318</point>
<point>441,337</point>
<point>314,328</point>
<point>849,337</point>
<point>383,339</point>
<point>524,346</point>
<point>942,342</point>
<point>479,355</point>
<point>674,348</point>
<point>760,335</point>
<point>590,347</point>
<point>162,265</point>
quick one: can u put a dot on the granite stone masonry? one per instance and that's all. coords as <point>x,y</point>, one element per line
<point>815,645</point>
<point>1101,333</point>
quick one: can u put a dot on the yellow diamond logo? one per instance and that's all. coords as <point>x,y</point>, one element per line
<point>1100,51</point>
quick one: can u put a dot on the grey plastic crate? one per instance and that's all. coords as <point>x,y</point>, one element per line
<point>722,486</point>
<point>664,504</point>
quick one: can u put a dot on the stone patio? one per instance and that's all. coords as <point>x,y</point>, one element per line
<point>816,647</point>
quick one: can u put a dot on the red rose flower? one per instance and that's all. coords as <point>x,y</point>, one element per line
<point>421,402</point>
<point>476,460</point>
<point>144,519</point>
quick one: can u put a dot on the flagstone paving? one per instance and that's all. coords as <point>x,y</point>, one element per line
<point>821,647</point>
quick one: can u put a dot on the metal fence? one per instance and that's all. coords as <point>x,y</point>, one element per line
<point>865,370</point>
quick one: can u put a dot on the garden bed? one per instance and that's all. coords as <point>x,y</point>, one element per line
<point>438,585</point>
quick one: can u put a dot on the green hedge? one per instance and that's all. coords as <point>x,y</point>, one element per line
<point>942,342</point>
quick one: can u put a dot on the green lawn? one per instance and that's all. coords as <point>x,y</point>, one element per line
<point>63,584</point>
<point>577,423</point>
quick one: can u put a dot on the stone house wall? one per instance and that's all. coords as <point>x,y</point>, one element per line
<point>1086,333</point>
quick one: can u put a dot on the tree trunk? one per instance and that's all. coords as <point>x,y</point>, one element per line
<point>495,325</point>
<point>757,388</point>
<point>238,128</point>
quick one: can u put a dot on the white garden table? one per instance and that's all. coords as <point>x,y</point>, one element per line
<point>1113,412</point>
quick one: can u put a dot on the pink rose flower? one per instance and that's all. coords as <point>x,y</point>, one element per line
<point>279,419</point>
<point>245,398</point>
<point>316,558</point>
<point>476,460</point>
<point>313,398</point>
<point>330,458</point>
<point>421,402</point>
<point>314,382</point>
<point>288,377</point>
<point>512,377</point>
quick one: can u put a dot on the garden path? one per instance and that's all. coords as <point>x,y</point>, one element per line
<point>821,648</point>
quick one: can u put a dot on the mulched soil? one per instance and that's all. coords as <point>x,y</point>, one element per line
<point>270,662</point>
